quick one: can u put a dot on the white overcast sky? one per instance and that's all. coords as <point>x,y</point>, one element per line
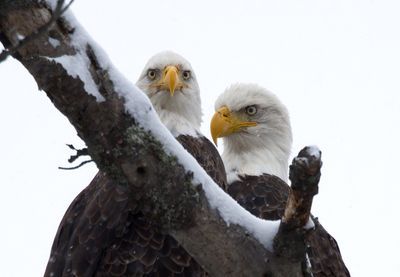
<point>335,64</point>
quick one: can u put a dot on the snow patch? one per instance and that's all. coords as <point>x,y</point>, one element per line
<point>54,42</point>
<point>77,66</point>
<point>314,151</point>
<point>20,37</point>
<point>310,224</point>
<point>301,159</point>
<point>52,3</point>
<point>309,266</point>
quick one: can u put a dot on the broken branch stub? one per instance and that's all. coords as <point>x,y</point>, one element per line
<point>305,172</point>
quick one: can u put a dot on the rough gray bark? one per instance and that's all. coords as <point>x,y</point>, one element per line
<point>133,157</point>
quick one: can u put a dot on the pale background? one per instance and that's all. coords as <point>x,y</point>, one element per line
<point>335,64</point>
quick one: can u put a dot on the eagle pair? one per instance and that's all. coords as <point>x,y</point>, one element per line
<point>103,233</point>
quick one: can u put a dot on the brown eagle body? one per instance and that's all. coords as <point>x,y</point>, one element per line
<point>265,197</point>
<point>103,233</point>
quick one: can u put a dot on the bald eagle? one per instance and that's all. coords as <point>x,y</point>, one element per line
<point>257,138</point>
<point>171,84</point>
<point>103,233</point>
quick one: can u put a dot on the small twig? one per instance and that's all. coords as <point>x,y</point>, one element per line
<point>75,167</point>
<point>58,11</point>
<point>79,153</point>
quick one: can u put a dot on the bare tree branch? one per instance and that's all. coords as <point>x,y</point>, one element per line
<point>134,157</point>
<point>75,167</point>
<point>58,11</point>
<point>79,153</point>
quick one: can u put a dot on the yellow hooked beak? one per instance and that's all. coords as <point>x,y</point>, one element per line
<point>170,79</point>
<point>224,123</point>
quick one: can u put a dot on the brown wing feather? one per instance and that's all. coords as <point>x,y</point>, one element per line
<point>265,196</point>
<point>103,234</point>
<point>207,156</point>
<point>324,253</point>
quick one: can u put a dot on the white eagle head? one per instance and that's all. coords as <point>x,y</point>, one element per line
<point>170,82</point>
<point>256,131</point>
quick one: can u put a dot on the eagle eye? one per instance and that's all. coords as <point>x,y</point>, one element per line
<point>151,74</point>
<point>186,75</point>
<point>251,110</point>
